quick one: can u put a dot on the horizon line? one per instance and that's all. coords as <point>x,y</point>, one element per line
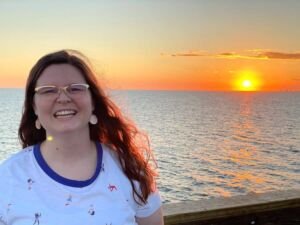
<point>180,90</point>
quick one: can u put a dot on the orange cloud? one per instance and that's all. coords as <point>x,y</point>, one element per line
<point>258,54</point>
<point>187,54</point>
<point>296,79</point>
<point>280,55</point>
<point>184,54</point>
<point>230,55</point>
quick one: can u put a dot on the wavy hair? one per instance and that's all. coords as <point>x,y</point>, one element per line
<point>114,129</point>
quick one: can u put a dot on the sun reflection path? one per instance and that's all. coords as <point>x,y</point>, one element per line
<point>241,153</point>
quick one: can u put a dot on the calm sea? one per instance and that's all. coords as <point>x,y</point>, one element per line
<point>206,143</point>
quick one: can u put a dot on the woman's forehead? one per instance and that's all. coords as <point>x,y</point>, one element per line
<point>60,74</point>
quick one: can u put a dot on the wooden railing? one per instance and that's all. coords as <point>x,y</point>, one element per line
<point>271,208</point>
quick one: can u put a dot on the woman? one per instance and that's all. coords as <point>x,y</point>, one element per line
<point>83,162</point>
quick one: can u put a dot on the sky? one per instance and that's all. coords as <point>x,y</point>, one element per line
<point>214,45</point>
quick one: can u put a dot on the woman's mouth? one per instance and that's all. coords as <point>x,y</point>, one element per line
<point>65,113</point>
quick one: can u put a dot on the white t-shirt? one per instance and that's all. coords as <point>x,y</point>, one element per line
<point>32,193</point>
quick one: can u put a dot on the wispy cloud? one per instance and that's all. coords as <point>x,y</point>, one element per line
<point>296,79</point>
<point>186,54</point>
<point>279,55</point>
<point>232,55</point>
<point>254,54</point>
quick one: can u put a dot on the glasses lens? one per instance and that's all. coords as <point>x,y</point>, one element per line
<point>47,90</point>
<point>77,88</point>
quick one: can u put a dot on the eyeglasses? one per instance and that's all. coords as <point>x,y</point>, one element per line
<point>70,90</point>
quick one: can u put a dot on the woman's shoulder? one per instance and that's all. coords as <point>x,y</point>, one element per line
<point>16,160</point>
<point>110,157</point>
<point>113,166</point>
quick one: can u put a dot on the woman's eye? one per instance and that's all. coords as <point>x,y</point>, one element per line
<point>48,91</point>
<point>76,88</point>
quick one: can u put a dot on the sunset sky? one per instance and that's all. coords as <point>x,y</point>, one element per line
<point>213,45</point>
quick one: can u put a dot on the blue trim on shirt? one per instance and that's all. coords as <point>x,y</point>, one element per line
<point>65,181</point>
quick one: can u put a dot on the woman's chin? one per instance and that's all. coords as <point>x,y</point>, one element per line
<point>68,129</point>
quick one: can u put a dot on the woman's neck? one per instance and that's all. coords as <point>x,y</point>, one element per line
<point>71,157</point>
<point>67,146</point>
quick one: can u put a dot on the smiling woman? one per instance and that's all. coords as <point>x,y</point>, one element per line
<point>83,161</point>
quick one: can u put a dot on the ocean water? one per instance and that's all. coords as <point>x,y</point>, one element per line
<point>207,144</point>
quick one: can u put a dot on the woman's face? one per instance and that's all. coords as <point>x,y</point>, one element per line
<point>63,112</point>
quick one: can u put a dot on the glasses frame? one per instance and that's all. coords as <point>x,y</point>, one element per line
<point>64,89</point>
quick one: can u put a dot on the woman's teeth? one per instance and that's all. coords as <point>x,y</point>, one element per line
<point>65,113</point>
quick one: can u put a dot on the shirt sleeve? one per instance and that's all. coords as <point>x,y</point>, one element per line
<point>153,203</point>
<point>3,210</point>
<point>2,222</point>
<point>141,210</point>
<point>4,193</point>
<point>2,214</point>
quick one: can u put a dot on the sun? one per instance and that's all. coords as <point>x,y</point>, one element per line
<point>247,83</point>
<point>247,80</point>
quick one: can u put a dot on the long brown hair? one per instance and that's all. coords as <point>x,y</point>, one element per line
<point>113,129</point>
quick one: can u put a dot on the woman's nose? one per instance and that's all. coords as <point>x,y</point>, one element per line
<point>63,96</point>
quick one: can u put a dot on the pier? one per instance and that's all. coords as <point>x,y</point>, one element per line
<point>271,208</point>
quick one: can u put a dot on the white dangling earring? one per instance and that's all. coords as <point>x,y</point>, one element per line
<point>38,124</point>
<point>93,119</point>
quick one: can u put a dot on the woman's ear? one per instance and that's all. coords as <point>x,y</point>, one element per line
<point>34,108</point>
<point>93,105</point>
